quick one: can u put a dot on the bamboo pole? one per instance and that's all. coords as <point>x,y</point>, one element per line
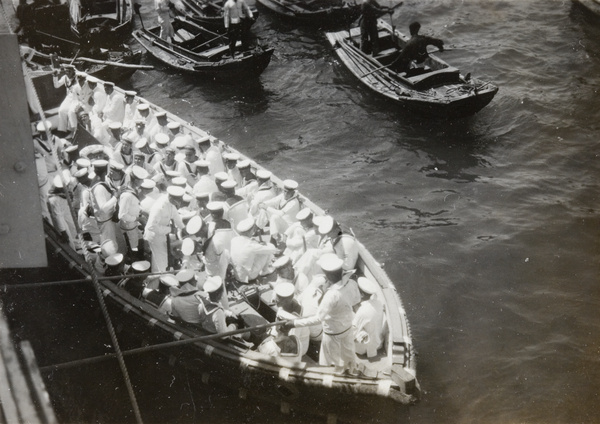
<point>81,280</point>
<point>160,346</point>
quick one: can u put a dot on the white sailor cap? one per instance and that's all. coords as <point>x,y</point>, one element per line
<point>214,206</point>
<point>108,247</point>
<point>109,84</point>
<point>263,174</point>
<point>140,266</point>
<point>57,182</point>
<point>194,225</point>
<point>92,79</point>
<point>303,214</point>
<point>212,284</point>
<point>138,154</point>
<point>172,174</point>
<point>148,184</point>
<point>117,166</point>
<point>179,143</point>
<point>231,156</point>
<point>245,225</point>
<point>202,140</point>
<point>161,139</point>
<point>166,281</point>
<point>243,164</point>
<point>185,213</point>
<point>221,176</point>
<point>127,138</point>
<point>140,122</point>
<point>187,198</point>
<point>175,191</point>
<point>100,163</point>
<point>81,173</point>
<point>161,114</point>
<point>115,126</point>
<point>179,181</point>
<point>139,172</point>
<point>326,224</point>
<point>173,125</point>
<point>330,262</point>
<point>114,260</point>
<point>290,185</point>
<point>202,195</point>
<point>141,143</point>
<point>83,163</point>
<point>130,93</point>
<point>80,74</point>
<point>282,261</point>
<point>142,106</point>
<point>42,126</point>
<point>284,289</point>
<point>71,149</point>
<point>185,276</point>
<point>187,246</point>
<point>201,163</point>
<point>366,285</point>
<point>229,184</point>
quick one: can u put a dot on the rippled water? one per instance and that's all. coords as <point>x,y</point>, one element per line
<point>488,226</point>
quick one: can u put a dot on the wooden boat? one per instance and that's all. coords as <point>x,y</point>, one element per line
<point>198,50</point>
<point>382,392</point>
<point>113,65</point>
<point>101,21</point>
<point>208,14</point>
<point>590,6</point>
<point>436,89</point>
<point>318,13</point>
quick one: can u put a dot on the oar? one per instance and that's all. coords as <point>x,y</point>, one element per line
<point>177,343</point>
<point>195,48</point>
<point>137,7</point>
<point>117,64</point>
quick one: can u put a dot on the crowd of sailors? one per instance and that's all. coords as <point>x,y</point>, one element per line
<point>152,197</point>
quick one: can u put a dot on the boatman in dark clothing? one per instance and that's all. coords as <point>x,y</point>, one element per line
<point>238,18</point>
<point>369,38</point>
<point>416,48</point>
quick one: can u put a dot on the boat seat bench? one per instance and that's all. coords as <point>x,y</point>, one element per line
<point>217,51</point>
<point>437,77</point>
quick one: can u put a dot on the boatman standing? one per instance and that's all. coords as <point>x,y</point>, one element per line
<point>235,12</point>
<point>164,17</point>
<point>369,34</point>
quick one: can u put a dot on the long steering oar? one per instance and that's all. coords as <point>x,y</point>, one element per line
<point>137,6</point>
<point>177,343</point>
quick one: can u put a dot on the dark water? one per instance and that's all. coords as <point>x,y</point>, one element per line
<point>489,226</point>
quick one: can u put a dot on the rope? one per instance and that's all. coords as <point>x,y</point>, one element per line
<point>86,254</point>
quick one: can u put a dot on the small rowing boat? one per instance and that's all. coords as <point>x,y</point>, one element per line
<point>198,50</point>
<point>101,21</point>
<point>382,391</point>
<point>436,89</point>
<point>316,13</point>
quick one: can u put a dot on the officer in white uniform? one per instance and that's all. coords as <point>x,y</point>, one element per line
<point>336,315</point>
<point>162,213</point>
